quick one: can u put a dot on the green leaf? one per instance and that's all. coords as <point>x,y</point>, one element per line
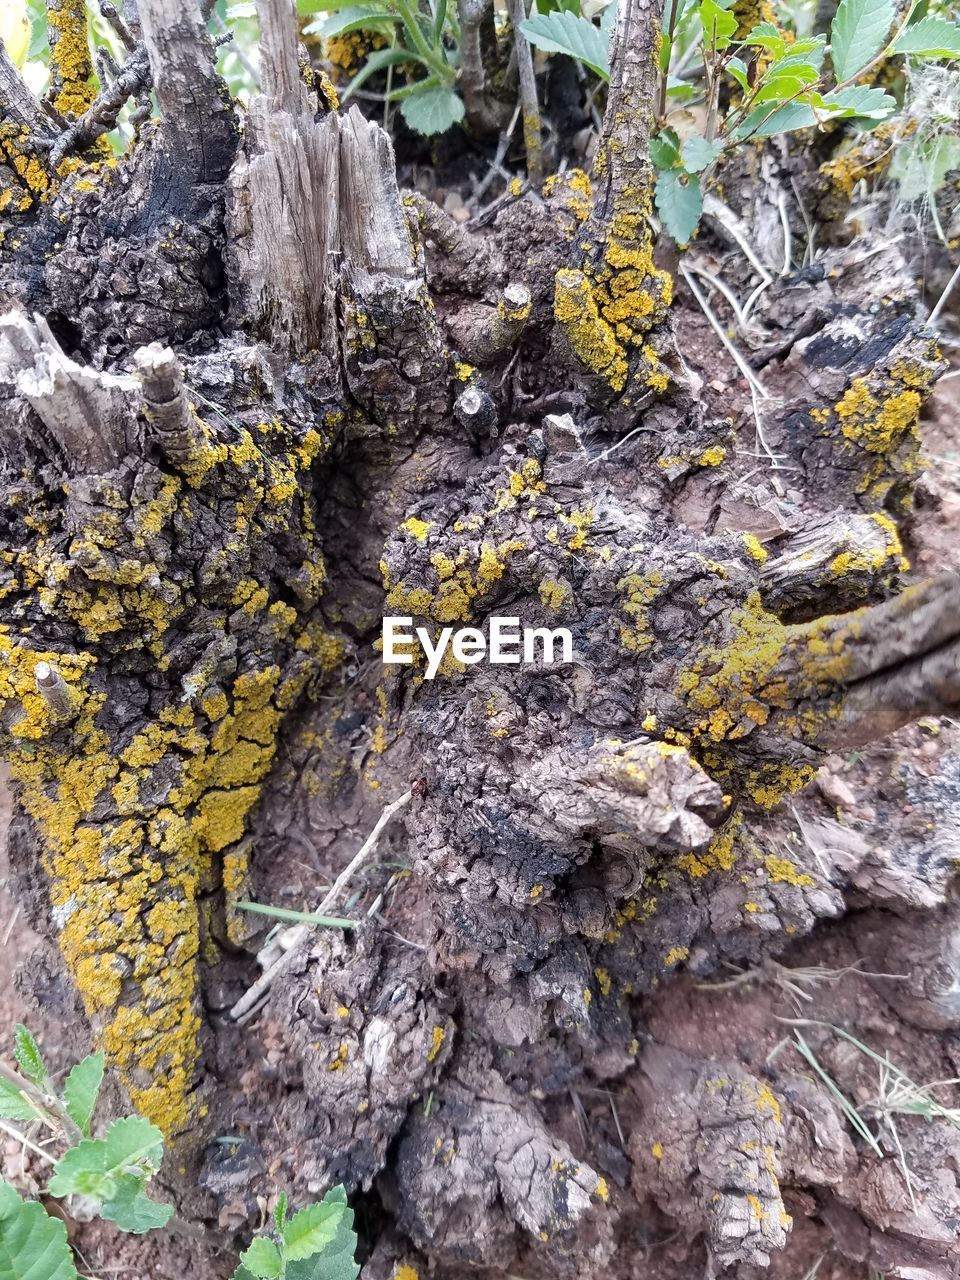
<point>680,90</point>
<point>860,100</point>
<point>82,1089</point>
<point>312,1229</point>
<point>779,91</point>
<point>355,18</point>
<point>664,149</point>
<point>439,18</point>
<point>242,1273</point>
<point>932,37</point>
<point>285,913</point>
<point>33,1246</point>
<point>697,153</point>
<point>766,35</point>
<point>572,35</point>
<point>280,1211</point>
<point>28,1056</point>
<point>857,100</point>
<point>132,1211</point>
<point>13,1105</point>
<point>94,1166</point>
<point>319,1242</point>
<point>434,111</point>
<point>263,1259</point>
<point>335,1263</point>
<point>718,25</point>
<point>738,69</point>
<point>858,33</point>
<point>377,61</point>
<point>679,202</point>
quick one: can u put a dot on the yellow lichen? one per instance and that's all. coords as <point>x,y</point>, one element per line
<point>437,1038</point>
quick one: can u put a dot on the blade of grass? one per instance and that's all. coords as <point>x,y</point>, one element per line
<point>301,917</point>
<point>846,1106</point>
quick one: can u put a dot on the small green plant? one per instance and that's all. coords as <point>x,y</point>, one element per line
<point>317,1243</point>
<point>780,85</point>
<point>109,1174</point>
<point>424,36</point>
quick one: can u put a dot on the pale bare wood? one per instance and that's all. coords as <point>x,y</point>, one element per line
<point>88,413</point>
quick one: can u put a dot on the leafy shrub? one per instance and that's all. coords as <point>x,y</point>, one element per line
<point>110,1176</point>
<point>776,83</point>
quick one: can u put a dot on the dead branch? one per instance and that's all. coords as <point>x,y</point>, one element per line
<point>197,114</point>
<point>131,81</point>
<point>532,135</point>
<point>87,412</point>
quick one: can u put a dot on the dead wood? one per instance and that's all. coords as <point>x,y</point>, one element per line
<point>265,401</point>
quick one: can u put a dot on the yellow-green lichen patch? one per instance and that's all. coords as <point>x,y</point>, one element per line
<point>608,307</point>
<point>140,823</point>
<point>733,683</point>
<point>573,192</point>
<point>877,419</point>
<point>637,592</point>
<point>70,63</point>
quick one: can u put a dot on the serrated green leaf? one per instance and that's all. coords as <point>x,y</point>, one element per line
<point>335,1263</point>
<point>719,27</point>
<point>570,34</point>
<point>82,1089</point>
<point>860,100</point>
<point>811,55</point>
<point>28,1056</point>
<point>434,111</point>
<point>13,1105</point>
<point>767,36</point>
<point>697,152</point>
<point>858,33</point>
<point>263,1259</point>
<point>33,1246</point>
<point>92,1167</point>
<point>933,37</point>
<point>664,149</point>
<point>679,202</point>
<point>312,1229</point>
<point>242,1273</point>
<point>132,1211</point>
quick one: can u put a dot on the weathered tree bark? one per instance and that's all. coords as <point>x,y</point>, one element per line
<point>241,421</point>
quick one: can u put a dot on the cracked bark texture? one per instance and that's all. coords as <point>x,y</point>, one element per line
<point>242,419</point>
